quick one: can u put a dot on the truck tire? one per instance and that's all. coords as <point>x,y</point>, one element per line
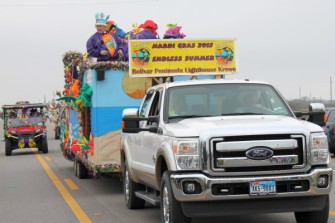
<point>314,216</point>
<point>8,145</point>
<point>82,171</point>
<point>129,189</point>
<point>44,145</point>
<point>171,210</point>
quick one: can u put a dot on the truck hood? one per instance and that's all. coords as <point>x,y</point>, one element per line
<point>240,125</point>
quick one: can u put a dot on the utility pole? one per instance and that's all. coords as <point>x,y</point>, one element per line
<point>331,94</point>
<point>300,93</point>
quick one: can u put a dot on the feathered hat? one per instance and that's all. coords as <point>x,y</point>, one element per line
<point>100,19</point>
<point>173,32</point>
<point>149,24</point>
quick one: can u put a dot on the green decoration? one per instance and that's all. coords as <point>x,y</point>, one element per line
<point>108,65</point>
<point>71,55</point>
<point>84,99</point>
<point>66,98</point>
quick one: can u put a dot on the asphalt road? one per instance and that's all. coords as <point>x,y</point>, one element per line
<point>39,188</point>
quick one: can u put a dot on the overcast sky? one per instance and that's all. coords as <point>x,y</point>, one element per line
<point>288,43</point>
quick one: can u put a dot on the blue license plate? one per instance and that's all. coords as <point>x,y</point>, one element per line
<point>262,188</point>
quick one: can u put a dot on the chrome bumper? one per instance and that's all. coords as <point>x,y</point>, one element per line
<point>207,182</point>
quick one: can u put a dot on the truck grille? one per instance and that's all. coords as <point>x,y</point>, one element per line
<point>229,154</point>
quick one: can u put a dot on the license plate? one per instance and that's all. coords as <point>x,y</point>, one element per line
<point>262,188</point>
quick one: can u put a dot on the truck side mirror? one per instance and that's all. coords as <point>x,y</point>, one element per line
<point>130,125</point>
<point>317,114</point>
<point>317,117</point>
<point>129,122</point>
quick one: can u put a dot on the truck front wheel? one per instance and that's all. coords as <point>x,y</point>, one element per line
<point>8,145</point>
<point>171,210</point>
<point>129,188</point>
<point>314,216</point>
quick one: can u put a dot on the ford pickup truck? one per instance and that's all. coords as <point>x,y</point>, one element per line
<point>204,148</point>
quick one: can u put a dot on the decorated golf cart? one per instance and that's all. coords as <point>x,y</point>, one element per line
<point>24,127</point>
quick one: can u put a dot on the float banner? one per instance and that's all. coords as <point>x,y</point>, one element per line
<point>156,58</point>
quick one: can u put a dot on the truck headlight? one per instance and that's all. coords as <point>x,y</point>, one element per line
<point>13,132</point>
<point>319,149</point>
<point>186,154</point>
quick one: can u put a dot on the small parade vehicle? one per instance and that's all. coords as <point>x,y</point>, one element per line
<point>24,127</point>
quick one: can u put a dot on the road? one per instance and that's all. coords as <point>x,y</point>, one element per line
<point>39,188</point>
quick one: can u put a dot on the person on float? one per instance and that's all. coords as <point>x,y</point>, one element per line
<point>112,27</point>
<point>173,32</point>
<point>149,31</point>
<point>103,45</point>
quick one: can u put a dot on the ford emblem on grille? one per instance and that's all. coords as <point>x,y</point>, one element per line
<point>259,153</point>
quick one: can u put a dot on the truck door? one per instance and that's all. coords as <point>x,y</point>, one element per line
<point>136,148</point>
<point>146,154</point>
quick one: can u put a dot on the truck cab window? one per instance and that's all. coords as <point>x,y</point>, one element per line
<point>145,106</point>
<point>155,104</point>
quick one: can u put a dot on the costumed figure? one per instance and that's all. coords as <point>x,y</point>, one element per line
<point>149,31</point>
<point>112,27</point>
<point>173,32</point>
<point>103,45</point>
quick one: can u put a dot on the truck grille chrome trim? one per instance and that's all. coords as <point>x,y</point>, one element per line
<point>241,161</point>
<point>228,154</point>
<point>244,145</point>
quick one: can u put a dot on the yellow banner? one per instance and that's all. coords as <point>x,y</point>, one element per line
<point>156,58</point>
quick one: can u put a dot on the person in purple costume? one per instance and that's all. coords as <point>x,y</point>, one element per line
<point>173,32</point>
<point>96,46</point>
<point>149,31</point>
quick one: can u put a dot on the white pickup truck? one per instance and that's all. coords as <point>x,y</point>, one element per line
<point>204,148</point>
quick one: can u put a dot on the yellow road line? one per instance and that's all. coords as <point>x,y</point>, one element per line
<point>71,184</point>
<point>76,209</point>
<point>332,213</point>
<point>47,158</point>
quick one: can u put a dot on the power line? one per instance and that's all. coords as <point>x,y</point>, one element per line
<point>75,4</point>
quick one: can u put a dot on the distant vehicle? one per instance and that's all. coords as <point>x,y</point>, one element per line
<point>24,127</point>
<point>329,129</point>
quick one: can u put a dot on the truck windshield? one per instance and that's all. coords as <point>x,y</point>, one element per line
<point>225,100</point>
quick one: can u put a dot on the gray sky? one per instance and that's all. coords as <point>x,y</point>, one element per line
<point>288,43</point>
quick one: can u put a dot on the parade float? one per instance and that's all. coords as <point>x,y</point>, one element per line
<point>90,112</point>
<point>95,93</point>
